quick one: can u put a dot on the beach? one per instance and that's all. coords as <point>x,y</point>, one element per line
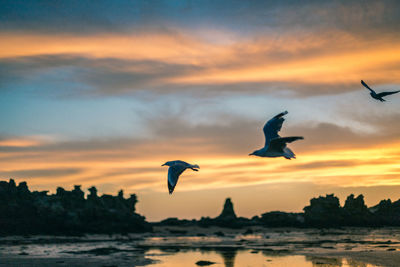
<point>254,246</point>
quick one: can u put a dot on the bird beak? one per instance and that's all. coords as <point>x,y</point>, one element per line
<point>250,154</point>
<point>163,164</point>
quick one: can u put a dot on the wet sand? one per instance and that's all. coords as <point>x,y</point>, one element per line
<point>380,258</point>
<point>78,262</point>
<point>380,247</point>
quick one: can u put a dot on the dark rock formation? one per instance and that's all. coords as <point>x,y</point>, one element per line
<point>387,213</point>
<point>70,213</point>
<point>227,212</point>
<point>227,218</point>
<point>323,212</point>
<point>356,212</point>
<point>66,212</point>
<point>175,222</point>
<point>282,219</point>
<point>326,212</point>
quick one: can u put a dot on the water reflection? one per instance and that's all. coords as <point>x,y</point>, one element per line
<point>267,247</point>
<point>240,258</point>
<point>229,257</point>
<point>323,261</point>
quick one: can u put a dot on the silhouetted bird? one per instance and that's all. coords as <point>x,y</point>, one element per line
<point>379,95</point>
<point>176,167</point>
<point>275,146</point>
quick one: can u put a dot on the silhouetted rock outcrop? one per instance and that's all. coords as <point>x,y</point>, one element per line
<point>356,213</point>
<point>323,212</point>
<point>227,212</point>
<point>66,212</point>
<point>69,212</point>
<point>227,218</point>
<point>282,219</point>
<point>387,213</point>
<point>176,222</point>
<point>326,212</point>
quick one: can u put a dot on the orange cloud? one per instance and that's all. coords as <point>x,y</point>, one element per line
<point>328,58</point>
<point>367,166</point>
<point>163,47</point>
<point>22,142</point>
<point>136,168</point>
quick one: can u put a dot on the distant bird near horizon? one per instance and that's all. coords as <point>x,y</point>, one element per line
<point>176,168</point>
<point>275,146</point>
<point>378,96</point>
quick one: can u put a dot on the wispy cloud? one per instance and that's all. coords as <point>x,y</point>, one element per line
<point>329,151</point>
<point>330,63</point>
<point>39,173</point>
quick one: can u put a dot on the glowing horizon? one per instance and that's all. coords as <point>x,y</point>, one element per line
<point>105,101</point>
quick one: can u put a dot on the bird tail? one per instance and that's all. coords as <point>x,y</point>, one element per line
<point>289,154</point>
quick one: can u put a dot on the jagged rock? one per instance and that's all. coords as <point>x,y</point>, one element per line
<point>66,212</point>
<point>387,213</point>
<point>228,217</point>
<point>282,219</point>
<point>93,193</point>
<point>356,212</point>
<point>323,211</point>
<point>77,192</point>
<point>176,222</point>
<point>227,213</point>
<point>355,205</point>
<point>69,212</point>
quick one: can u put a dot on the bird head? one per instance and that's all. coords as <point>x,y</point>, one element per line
<point>256,153</point>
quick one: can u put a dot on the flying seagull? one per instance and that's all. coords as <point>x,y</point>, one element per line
<point>275,146</point>
<point>176,167</point>
<point>380,95</point>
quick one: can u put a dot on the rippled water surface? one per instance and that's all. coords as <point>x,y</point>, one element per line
<point>263,247</point>
<point>246,258</point>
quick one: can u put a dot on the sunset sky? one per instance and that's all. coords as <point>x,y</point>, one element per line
<point>104,92</point>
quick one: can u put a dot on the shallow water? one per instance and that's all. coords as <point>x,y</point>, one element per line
<point>245,258</point>
<point>264,247</point>
<point>305,240</point>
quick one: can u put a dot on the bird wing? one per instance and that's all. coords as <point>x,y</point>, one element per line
<point>273,126</point>
<point>173,175</point>
<point>366,86</point>
<point>387,93</point>
<point>278,144</point>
